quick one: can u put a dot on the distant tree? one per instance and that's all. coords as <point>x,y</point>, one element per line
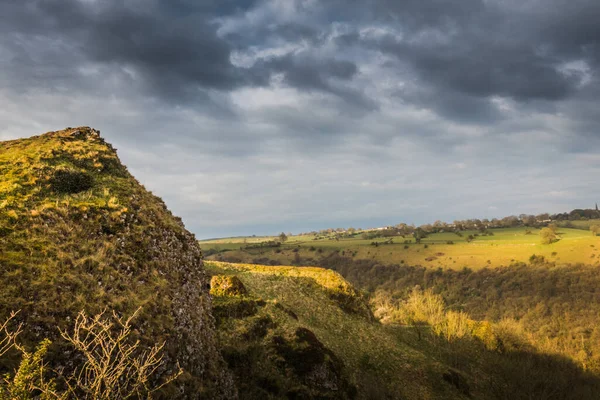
<point>548,235</point>
<point>510,221</point>
<point>427,228</point>
<point>419,234</point>
<point>528,220</point>
<point>439,226</point>
<point>543,217</point>
<point>282,237</point>
<point>537,259</point>
<point>595,228</point>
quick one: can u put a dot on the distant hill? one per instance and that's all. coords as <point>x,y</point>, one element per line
<point>78,232</point>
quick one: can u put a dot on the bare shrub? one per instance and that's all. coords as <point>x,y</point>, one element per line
<point>114,366</point>
<point>8,337</point>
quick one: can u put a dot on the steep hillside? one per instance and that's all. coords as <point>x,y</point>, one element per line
<point>78,232</point>
<point>288,332</point>
<point>292,335</point>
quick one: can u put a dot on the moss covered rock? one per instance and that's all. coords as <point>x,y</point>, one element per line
<point>78,232</point>
<point>227,285</point>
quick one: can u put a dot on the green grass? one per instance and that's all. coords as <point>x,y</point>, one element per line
<point>506,246</point>
<point>78,232</point>
<point>381,361</point>
<point>365,347</point>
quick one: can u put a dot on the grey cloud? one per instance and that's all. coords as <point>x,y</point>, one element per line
<point>475,50</point>
<point>429,13</point>
<point>276,32</point>
<point>322,74</point>
<point>459,107</point>
<point>482,70</point>
<point>344,112</point>
<point>312,73</point>
<point>570,28</point>
<point>171,47</point>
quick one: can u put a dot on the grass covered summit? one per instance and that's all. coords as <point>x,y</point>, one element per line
<point>78,232</point>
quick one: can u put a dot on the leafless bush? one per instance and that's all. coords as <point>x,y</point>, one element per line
<point>7,336</point>
<point>114,366</point>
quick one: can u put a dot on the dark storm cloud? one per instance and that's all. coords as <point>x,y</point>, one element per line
<point>328,75</point>
<point>241,112</point>
<point>428,13</point>
<point>478,49</point>
<point>472,48</point>
<point>482,69</point>
<point>456,106</point>
<point>571,29</point>
<point>276,32</point>
<point>310,73</point>
<point>171,46</point>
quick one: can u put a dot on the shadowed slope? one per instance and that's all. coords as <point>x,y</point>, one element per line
<point>286,336</point>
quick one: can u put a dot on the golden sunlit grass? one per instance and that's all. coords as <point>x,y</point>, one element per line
<point>506,246</point>
<point>425,351</point>
<point>360,342</point>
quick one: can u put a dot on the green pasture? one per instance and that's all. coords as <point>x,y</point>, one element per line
<point>439,250</point>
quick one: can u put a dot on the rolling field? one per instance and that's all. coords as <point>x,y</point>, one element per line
<point>439,250</point>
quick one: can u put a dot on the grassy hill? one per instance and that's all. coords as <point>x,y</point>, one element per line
<point>550,290</point>
<point>78,232</point>
<point>439,250</point>
<point>288,332</point>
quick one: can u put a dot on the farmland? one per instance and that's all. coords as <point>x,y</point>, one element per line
<point>447,250</point>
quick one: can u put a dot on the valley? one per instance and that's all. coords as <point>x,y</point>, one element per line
<point>489,313</point>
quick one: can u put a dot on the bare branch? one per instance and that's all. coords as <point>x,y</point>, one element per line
<point>8,337</point>
<point>115,366</point>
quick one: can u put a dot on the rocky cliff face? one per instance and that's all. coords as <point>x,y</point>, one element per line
<point>78,232</point>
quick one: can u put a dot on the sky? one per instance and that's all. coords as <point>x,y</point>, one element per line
<point>262,116</point>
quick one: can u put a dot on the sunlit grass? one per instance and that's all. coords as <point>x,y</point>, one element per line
<point>505,246</point>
